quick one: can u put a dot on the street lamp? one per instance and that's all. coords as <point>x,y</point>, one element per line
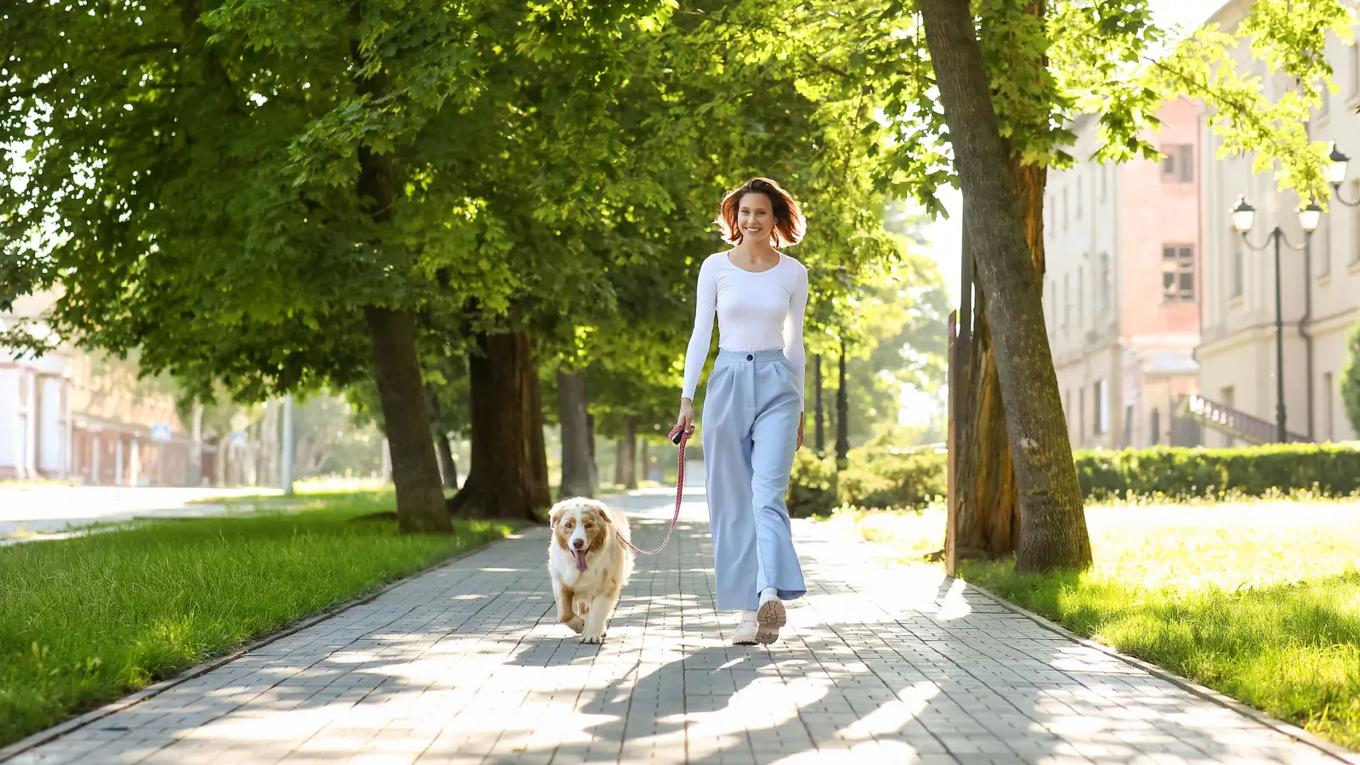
<point>1336,175</point>
<point>1243,215</point>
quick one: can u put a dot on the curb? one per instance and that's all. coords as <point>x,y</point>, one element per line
<point>1298,734</point>
<point>155,689</point>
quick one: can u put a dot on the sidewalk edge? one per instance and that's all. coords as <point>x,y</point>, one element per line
<point>155,689</point>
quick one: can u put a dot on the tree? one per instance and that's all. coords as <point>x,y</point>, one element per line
<point>1053,524</point>
<point>272,195</point>
<point>1350,379</point>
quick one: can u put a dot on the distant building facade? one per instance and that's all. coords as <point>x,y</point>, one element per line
<point>1122,286</point>
<point>69,415</point>
<point>1319,291</point>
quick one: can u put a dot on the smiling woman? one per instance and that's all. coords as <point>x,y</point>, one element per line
<point>754,402</point>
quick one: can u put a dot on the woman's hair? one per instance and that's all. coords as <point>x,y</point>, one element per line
<point>789,223</point>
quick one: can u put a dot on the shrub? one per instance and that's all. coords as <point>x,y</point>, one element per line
<point>1328,469</point>
<point>881,478</point>
<point>812,485</point>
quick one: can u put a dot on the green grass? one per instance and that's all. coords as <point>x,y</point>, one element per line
<point>87,620</point>
<point>1257,599</point>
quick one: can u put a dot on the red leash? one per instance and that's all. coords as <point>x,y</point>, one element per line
<point>679,436</point>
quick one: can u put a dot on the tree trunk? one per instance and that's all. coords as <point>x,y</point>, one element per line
<point>509,473</point>
<point>571,412</point>
<point>448,469</point>
<point>820,443</point>
<point>645,458</point>
<point>627,461</point>
<point>415,472</point>
<point>989,503</point>
<point>219,463</point>
<point>1052,522</point>
<point>590,449</point>
<point>392,337</point>
<point>842,414</point>
<point>268,456</point>
<point>989,512</point>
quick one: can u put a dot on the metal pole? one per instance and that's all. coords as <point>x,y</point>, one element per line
<point>1280,432</point>
<point>286,464</point>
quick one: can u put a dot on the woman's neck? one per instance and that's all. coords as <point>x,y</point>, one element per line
<point>763,252</point>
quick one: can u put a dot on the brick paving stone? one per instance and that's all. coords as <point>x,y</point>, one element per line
<point>465,664</point>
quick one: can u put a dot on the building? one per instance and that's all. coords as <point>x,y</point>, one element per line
<point>77,415</point>
<point>1122,286</point>
<point>1319,288</point>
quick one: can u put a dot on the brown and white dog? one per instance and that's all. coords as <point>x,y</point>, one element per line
<point>587,563</point>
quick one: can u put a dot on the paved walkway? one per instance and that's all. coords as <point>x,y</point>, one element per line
<point>26,510</point>
<point>466,665</point>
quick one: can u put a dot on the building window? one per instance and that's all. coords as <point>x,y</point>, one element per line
<point>1106,285</point>
<point>1101,399</point>
<point>1178,163</point>
<point>1081,296</point>
<point>1081,413</point>
<point>1104,172</point>
<point>1355,69</point>
<point>1067,300</point>
<point>1064,208</point>
<point>1178,272</point>
<point>1155,428</point>
<point>1127,430</point>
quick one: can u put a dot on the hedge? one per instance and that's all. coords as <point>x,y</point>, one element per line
<point>1177,472</point>
<point>882,478</point>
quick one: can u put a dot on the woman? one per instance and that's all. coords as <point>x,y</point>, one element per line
<point>753,404</point>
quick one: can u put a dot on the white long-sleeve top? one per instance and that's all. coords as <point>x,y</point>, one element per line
<point>757,311</point>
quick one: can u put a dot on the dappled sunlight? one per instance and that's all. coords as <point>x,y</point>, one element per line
<point>951,603</point>
<point>894,714</point>
<point>876,664</point>
<point>1224,546</point>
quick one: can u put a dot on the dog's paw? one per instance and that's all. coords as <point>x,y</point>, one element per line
<point>577,625</point>
<point>580,607</point>
<point>593,638</point>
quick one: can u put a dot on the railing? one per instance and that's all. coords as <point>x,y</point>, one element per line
<point>1232,422</point>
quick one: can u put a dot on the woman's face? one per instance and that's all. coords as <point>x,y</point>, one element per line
<point>755,217</point>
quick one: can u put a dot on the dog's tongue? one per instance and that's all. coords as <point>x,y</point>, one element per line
<point>580,559</point>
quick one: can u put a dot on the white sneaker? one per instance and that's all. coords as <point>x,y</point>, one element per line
<point>770,617</point>
<point>746,632</point>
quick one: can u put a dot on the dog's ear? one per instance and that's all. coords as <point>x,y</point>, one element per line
<point>555,514</point>
<point>601,514</point>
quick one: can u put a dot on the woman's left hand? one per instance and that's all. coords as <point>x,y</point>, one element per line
<point>799,443</point>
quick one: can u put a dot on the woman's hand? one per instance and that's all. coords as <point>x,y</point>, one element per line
<point>686,418</point>
<point>799,443</point>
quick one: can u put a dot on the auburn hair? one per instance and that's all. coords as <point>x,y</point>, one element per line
<point>789,223</point>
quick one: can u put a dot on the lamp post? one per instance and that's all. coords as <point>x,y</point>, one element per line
<point>1336,175</point>
<point>1243,215</point>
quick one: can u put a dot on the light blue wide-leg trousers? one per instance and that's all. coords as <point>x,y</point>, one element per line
<point>749,426</point>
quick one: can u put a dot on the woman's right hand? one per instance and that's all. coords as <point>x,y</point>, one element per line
<point>686,418</point>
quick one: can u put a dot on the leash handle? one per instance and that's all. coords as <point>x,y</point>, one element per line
<point>679,435</point>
